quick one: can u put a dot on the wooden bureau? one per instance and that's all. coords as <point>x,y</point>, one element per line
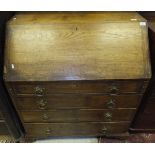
<point>76,73</point>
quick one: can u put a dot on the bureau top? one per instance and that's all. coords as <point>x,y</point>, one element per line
<point>73,17</point>
<point>76,46</point>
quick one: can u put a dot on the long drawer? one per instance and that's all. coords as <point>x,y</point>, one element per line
<point>78,115</point>
<point>42,88</point>
<point>60,101</point>
<point>75,129</point>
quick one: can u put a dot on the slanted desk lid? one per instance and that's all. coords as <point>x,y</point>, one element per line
<point>76,46</point>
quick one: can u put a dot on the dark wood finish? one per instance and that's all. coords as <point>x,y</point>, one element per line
<point>74,129</point>
<point>133,86</point>
<point>80,115</point>
<point>75,64</point>
<point>74,101</point>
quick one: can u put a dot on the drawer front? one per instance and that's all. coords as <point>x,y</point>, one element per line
<point>78,115</point>
<point>3,129</point>
<point>60,101</point>
<point>74,129</point>
<point>40,89</point>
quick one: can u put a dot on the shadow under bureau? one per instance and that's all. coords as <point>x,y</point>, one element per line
<point>75,73</point>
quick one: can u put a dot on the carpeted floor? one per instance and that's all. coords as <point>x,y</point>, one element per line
<point>133,138</point>
<point>6,139</point>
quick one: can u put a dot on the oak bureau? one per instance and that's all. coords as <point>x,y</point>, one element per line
<point>76,73</point>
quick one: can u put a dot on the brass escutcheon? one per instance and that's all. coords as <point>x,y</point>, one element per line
<point>39,91</point>
<point>48,131</point>
<point>111,104</point>
<point>42,104</point>
<point>45,117</point>
<point>108,116</point>
<point>104,130</point>
<point>114,89</point>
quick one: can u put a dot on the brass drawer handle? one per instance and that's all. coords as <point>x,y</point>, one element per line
<point>48,131</point>
<point>74,85</point>
<point>108,116</point>
<point>104,130</point>
<point>114,90</point>
<point>45,117</point>
<point>111,104</point>
<point>42,104</point>
<point>39,91</point>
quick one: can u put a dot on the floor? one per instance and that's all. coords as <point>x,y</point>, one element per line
<point>133,138</point>
<point>69,140</point>
<point>6,139</point>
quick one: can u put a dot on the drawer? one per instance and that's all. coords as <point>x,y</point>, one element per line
<point>78,115</point>
<point>43,88</point>
<point>61,101</point>
<point>74,129</point>
<point>3,129</point>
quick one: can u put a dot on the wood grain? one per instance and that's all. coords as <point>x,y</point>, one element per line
<point>78,115</point>
<point>75,101</point>
<point>106,86</point>
<point>73,17</point>
<point>47,51</point>
<point>74,129</point>
<point>76,62</point>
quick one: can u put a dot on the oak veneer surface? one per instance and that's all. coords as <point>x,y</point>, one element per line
<point>80,115</point>
<point>75,101</point>
<point>74,129</point>
<point>76,46</point>
<point>71,17</point>
<point>85,86</point>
